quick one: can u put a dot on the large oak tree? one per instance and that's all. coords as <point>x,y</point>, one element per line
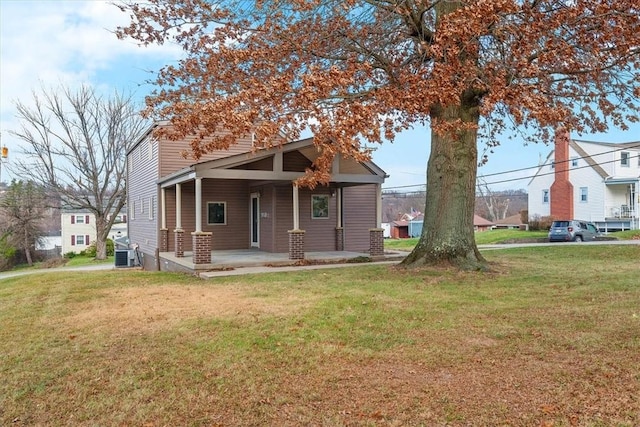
<point>360,71</point>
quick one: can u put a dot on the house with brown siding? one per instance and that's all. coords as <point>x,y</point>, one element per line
<point>245,198</point>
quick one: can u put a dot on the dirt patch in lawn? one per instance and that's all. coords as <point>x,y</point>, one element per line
<point>145,308</point>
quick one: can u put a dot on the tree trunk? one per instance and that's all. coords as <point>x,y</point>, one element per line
<point>448,235</point>
<point>27,250</point>
<point>101,237</point>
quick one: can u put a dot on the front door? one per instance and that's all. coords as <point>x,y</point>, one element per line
<point>255,220</point>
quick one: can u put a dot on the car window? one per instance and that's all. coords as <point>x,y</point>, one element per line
<point>560,224</point>
<point>592,228</point>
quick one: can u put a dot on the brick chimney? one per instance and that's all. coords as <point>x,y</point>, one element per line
<point>562,189</point>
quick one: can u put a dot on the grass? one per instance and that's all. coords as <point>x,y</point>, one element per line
<point>626,235</point>
<point>482,238</point>
<point>536,342</point>
<point>79,261</point>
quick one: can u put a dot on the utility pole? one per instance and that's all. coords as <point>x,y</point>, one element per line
<point>3,156</point>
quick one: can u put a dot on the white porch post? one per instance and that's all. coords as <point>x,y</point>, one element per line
<point>339,229</point>
<point>296,236</point>
<point>198,205</point>
<point>339,207</point>
<point>378,205</point>
<point>178,206</point>
<point>296,208</point>
<point>163,213</point>
<point>376,235</point>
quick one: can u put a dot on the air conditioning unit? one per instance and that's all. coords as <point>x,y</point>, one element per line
<point>121,257</point>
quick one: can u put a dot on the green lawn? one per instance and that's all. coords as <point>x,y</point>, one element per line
<point>482,238</point>
<point>550,337</point>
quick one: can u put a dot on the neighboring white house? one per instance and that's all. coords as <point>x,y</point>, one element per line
<point>79,230</point>
<point>592,181</point>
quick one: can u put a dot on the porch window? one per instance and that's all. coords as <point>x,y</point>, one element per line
<point>319,206</point>
<point>624,158</point>
<point>584,194</point>
<point>217,213</point>
<point>545,196</point>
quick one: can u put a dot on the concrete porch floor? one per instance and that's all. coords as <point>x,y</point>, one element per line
<point>257,258</point>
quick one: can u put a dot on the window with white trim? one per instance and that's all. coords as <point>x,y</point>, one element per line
<point>80,240</point>
<point>320,206</point>
<point>584,194</point>
<point>217,213</point>
<point>545,196</point>
<point>79,219</point>
<point>624,158</point>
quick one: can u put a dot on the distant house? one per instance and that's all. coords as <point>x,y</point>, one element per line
<point>592,181</point>
<point>79,229</point>
<point>513,221</point>
<point>414,227</point>
<point>481,224</point>
<point>400,229</point>
<point>181,211</point>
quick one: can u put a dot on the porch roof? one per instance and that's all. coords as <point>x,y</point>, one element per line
<point>344,170</point>
<point>630,180</point>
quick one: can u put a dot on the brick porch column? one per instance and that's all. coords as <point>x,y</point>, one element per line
<point>202,247</point>
<point>376,241</point>
<point>339,239</point>
<point>296,244</point>
<point>179,237</point>
<point>164,240</point>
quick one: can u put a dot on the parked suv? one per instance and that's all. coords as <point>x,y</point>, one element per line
<point>572,231</point>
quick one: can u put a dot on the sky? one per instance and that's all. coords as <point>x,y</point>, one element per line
<point>48,43</point>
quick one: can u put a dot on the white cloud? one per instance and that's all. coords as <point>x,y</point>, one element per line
<point>69,42</point>
<point>46,43</point>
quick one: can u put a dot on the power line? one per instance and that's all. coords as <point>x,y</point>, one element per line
<point>539,167</point>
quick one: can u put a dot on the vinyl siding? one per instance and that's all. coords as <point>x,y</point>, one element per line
<point>542,181</point>
<point>320,232</point>
<point>142,195</point>
<point>593,209</point>
<point>283,217</point>
<point>172,158</point>
<point>235,233</point>
<point>359,215</point>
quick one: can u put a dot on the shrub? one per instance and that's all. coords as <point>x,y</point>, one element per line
<point>539,223</point>
<point>92,250</point>
<point>70,255</point>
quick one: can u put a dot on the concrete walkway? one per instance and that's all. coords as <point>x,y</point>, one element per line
<point>97,267</point>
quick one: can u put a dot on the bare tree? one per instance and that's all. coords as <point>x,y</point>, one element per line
<point>23,208</point>
<point>75,146</point>
<point>497,204</point>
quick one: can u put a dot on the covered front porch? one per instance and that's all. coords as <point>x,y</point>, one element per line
<point>622,204</point>
<point>240,258</point>
<point>252,202</point>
